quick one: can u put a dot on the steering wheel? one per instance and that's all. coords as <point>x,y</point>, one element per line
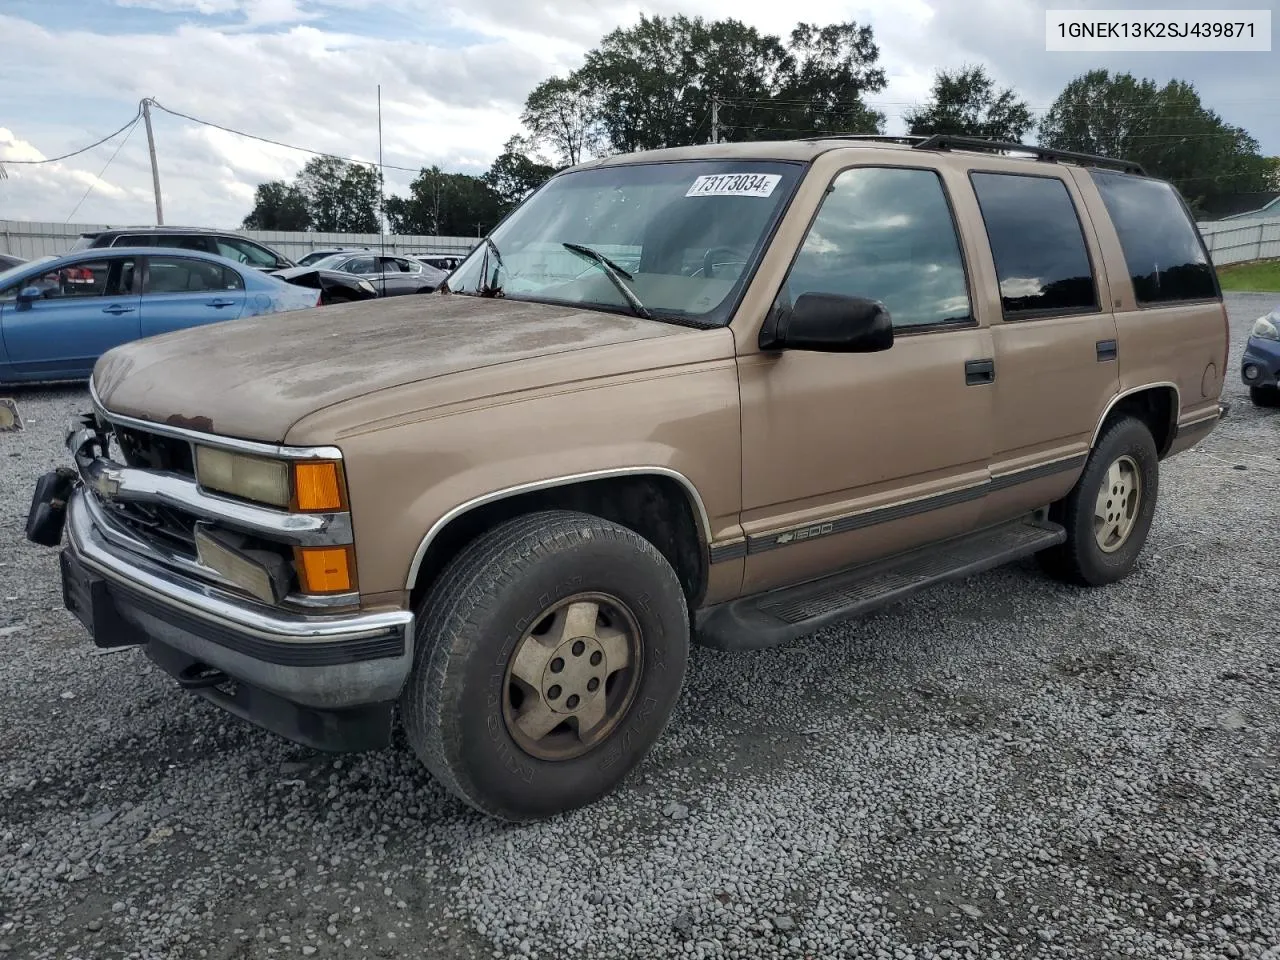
<point>709,259</point>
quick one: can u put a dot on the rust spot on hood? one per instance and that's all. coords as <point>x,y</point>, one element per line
<point>201,424</point>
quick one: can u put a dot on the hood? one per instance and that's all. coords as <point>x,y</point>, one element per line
<point>255,378</point>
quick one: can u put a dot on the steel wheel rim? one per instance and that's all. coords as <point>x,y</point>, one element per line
<point>572,676</point>
<point>1115,511</point>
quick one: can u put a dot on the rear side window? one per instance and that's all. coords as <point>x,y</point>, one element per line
<point>184,275</point>
<point>1162,250</point>
<point>1041,260</point>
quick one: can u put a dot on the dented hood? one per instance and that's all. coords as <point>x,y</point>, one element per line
<point>255,378</point>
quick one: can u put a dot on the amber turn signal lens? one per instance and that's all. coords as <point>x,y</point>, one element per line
<point>316,486</point>
<point>325,569</point>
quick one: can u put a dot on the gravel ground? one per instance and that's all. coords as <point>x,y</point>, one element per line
<point>1000,768</point>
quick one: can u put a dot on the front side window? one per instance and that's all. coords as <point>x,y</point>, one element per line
<point>688,235</point>
<point>1162,250</point>
<point>886,234</point>
<point>359,265</point>
<point>90,278</point>
<point>187,275</point>
<point>1042,264</point>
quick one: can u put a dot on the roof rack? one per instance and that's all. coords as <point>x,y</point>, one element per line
<point>946,141</point>
<point>911,140</point>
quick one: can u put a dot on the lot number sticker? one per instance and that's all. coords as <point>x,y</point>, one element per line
<point>734,185</point>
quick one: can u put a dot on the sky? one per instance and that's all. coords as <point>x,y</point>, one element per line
<point>454,76</point>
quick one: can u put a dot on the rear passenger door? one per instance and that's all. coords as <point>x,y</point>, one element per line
<point>183,292</point>
<point>1054,334</point>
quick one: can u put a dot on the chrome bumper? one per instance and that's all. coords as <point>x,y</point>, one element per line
<point>326,661</point>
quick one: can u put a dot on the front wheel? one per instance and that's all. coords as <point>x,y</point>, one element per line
<point>1108,513</point>
<point>550,654</point>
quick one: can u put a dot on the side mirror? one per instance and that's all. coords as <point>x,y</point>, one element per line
<point>29,295</point>
<point>832,323</point>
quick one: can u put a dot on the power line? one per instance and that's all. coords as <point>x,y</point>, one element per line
<point>279,143</point>
<point>76,153</point>
<point>93,183</point>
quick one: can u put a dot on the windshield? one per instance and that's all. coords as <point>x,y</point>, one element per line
<point>688,233</point>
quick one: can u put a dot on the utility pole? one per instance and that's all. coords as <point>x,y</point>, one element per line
<point>155,171</point>
<point>382,203</point>
<point>715,120</point>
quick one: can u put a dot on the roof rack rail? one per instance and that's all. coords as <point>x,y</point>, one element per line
<point>910,139</point>
<point>946,141</point>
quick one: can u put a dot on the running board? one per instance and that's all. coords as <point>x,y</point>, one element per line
<point>780,616</point>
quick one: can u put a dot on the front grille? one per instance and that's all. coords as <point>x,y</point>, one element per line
<point>170,530</point>
<point>151,451</point>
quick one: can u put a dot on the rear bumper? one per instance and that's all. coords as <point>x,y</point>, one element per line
<point>298,674</point>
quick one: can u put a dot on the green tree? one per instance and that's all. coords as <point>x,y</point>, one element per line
<point>967,102</point>
<point>562,115</point>
<point>341,197</point>
<point>278,206</point>
<point>827,72</point>
<point>654,84</point>
<point>445,204</point>
<point>1166,129</point>
<point>361,199</point>
<point>514,174</point>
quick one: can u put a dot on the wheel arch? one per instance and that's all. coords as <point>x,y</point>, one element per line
<point>1155,404</point>
<point>676,522</point>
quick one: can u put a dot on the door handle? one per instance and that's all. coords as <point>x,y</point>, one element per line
<point>117,309</point>
<point>221,303</point>
<point>1107,350</point>
<point>979,371</point>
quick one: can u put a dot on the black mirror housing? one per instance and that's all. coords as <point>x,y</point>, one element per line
<point>831,323</point>
<point>29,295</point>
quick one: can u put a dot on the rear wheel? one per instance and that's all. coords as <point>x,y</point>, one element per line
<point>1108,513</point>
<point>550,654</point>
<point>1264,396</point>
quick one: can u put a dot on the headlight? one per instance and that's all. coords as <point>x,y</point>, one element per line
<point>241,475</point>
<point>1265,328</point>
<point>367,287</point>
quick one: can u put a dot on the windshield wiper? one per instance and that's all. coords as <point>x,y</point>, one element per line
<point>487,289</point>
<point>614,273</point>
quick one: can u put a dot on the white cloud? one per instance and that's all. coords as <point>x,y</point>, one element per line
<point>454,77</point>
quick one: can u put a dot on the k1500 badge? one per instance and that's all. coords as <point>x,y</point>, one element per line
<point>808,533</point>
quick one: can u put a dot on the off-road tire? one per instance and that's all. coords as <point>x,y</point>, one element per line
<point>469,624</point>
<point>1264,396</point>
<point>1080,560</point>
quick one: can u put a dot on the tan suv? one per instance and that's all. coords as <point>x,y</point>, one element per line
<point>729,393</point>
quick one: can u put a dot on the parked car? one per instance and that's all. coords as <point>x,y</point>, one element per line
<point>1260,364</point>
<point>219,242</point>
<point>445,262</point>
<point>843,370</point>
<point>334,285</point>
<point>58,315</point>
<point>316,255</point>
<point>8,260</point>
<point>391,276</point>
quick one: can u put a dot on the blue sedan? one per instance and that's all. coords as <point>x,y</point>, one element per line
<point>59,314</point>
<point>1260,365</point>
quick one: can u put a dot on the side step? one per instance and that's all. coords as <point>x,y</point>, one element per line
<point>780,616</point>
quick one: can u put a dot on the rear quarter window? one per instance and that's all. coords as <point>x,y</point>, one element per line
<point>1163,253</point>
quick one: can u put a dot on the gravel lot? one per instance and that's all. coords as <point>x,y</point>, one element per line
<point>1000,768</point>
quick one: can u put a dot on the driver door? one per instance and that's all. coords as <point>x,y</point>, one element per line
<point>88,307</point>
<point>852,457</point>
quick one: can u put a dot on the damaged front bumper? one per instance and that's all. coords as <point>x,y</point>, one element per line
<point>327,680</point>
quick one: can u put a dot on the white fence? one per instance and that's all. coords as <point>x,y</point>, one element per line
<point>1231,241</point>
<point>29,239</point>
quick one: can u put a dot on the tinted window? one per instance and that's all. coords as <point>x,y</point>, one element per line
<point>1041,260</point>
<point>135,240</point>
<point>183,243</point>
<point>1162,250</point>
<point>359,265</point>
<point>886,234</point>
<point>184,275</point>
